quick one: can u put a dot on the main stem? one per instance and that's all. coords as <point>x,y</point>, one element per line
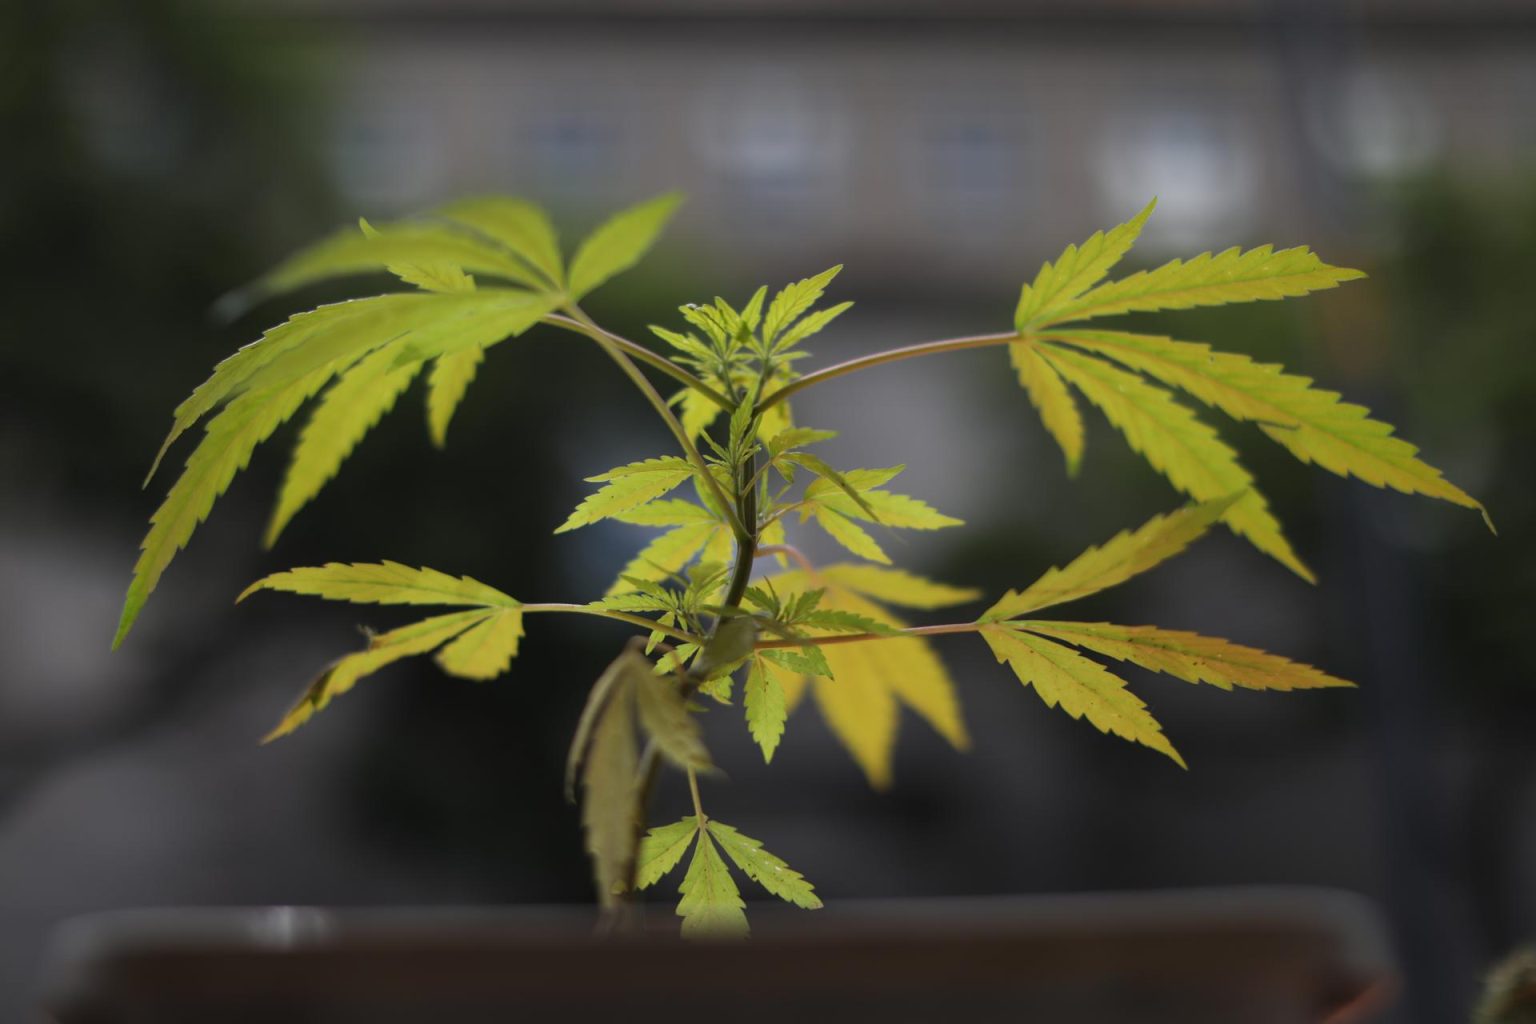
<point>744,512</point>
<point>746,550</point>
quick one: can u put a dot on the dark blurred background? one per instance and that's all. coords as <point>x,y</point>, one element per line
<point>155,154</point>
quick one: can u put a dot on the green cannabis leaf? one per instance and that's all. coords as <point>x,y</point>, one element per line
<point>619,243</point>
<point>628,487</point>
<point>266,382</point>
<point>860,688</point>
<point>711,906</point>
<point>374,347</point>
<point>711,628</point>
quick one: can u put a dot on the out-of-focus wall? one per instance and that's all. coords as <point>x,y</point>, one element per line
<point>940,144</point>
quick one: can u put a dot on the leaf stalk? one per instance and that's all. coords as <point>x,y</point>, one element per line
<point>894,355</point>
<point>663,410</point>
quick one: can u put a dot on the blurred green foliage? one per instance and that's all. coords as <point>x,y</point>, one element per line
<point>1456,290</point>
<point>155,152</point>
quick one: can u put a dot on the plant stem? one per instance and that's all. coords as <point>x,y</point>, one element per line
<point>854,638</point>
<point>798,557</point>
<point>698,805</point>
<point>895,355</point>
<point>741,575</point>
<point>663,410</point>
<point>746,551</point>
<point>635,620</point>
<point>637,351</point>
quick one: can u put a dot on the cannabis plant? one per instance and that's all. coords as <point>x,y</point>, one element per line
<point>712,630</point>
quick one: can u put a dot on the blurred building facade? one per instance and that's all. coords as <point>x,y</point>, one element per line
<point>984,131</point>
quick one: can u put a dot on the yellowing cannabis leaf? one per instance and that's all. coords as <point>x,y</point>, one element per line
<point>668,512</point>
<point>792,301</point>
<point>1209,280</point>
<point>1076,270</point>
<point>483,640</point>
<point>849,534</point>
<point>628,487</point>
<point>517,225</point>
<point>420,242</point>
<point>1313,424</point>
<point>1188,656</point>
<point>266,382</point>
<point>711,904</point>
<point>619,243</point>
<point>667,554</point>
<point>226,447</point>
<point>698,412</point>
<point>1080,687</point>
<point>711,907</point>
<point>1180,446</point>
<point>423,325</point>
<point>446,384</point>
<point>347,411</point>
<point>382,583</point>
<point>1084,688</point>
<point>764,868</point>
<point>434,277</point>
<point>664,714</point>
<point>1127,554</point>
<point>812,323</point>
<point>662,850</point>
<point>896,586</point>
<point>694,528</point>
<point>835,500</point>
<point>605,753</point>
<point>1049,395</point>
<point>871,679</point>
<point>764,702</point>
<point>486,649</point>
<point>854,499</point>
<point>342,332</point>
<point>604,756</point>
<point>417,638</point>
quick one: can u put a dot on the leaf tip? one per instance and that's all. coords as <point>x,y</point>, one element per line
<point>277,732</point>
<point>126,620</point>
<point>154,467</point>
